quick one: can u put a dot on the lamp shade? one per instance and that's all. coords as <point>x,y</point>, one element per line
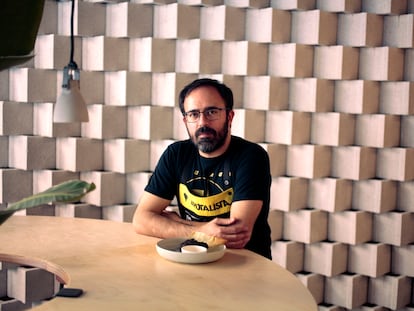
<point>70,106</point>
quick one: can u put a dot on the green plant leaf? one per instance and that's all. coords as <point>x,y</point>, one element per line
<point>68,191</point>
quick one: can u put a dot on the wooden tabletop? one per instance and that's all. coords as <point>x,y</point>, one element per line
<point>120,270</point>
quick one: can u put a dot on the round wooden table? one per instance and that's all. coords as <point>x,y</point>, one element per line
<point>120,270</point>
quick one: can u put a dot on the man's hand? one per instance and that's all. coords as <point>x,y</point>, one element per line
<point>230,229</point>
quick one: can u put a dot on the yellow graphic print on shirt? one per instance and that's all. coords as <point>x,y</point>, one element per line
<point>213,205</point>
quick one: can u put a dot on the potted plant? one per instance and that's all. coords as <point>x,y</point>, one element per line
<point>68,191</point>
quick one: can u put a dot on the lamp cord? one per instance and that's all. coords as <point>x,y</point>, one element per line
<point>72,39</point>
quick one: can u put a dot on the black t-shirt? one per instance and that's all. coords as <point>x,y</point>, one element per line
<point>206,187</point>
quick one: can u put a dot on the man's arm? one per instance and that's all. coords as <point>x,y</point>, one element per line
<point>150,219</point>
<point>244,213</point>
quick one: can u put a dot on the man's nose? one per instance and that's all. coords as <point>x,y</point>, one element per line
<point>202,119</point>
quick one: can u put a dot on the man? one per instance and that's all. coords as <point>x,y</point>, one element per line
<point>221,182</point>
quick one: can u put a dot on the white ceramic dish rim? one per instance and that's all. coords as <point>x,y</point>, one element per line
<point>167,249</point>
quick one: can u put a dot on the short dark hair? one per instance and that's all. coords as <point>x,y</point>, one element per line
<point>224,91</point>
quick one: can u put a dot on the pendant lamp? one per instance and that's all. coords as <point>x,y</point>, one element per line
<point>70,106</point>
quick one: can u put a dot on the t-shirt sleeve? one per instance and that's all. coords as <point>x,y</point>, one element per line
<point>162,182</point>
<point>252,176</point>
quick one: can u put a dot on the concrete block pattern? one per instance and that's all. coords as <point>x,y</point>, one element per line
<point>326,258</point>
<point>32,152</point>
<point>348,291</point>
<point>375,195</point>
<point>357,96</point>
<point>10,113</point>
<point>105,53</point>
<point>314,27</point>
<point>308,161</point>
<point>15,184</point>
<point>105,122</point>
<point>157,147</point>
<point>268,25</point>
<point>176,21</point>
<point>123,88</point>
<point>275,220</point>
<point>394,228</point>
<point>288,127</point>
<point>248,3</point>
<point>277,158</point>
<point>341,6</point>
<point>195,55</point>
<point>370,259</point>
<point>294,5</point>
<point>135,184</point>
<point>381,63</point>
<point>311,95</point>
<point>249,124</point>
<point>30,284</point>
<point>42,210</point>
<point>92,86</point>
<point>5,85</point>
<point>306,226</point>
<point>350,227</point>
<point>91,19</point>
<point>49,22</point>
<point>244,58</point>
<point>384,6</point>
<point>360,29</point>
<point>330,194</point>
<point>398,30</point>
<point>390,291</point>
<point>52,51</point>
<point>144,122</point>
<point>110,188</point>
<point>386,159</point>
<point>167,86</point>
<point>78,210</point>
<point>332,129</point>
<point>79,154</point>
<point>4,151</point>
<point>353,162</point>
<point>315,284</point>
<point>151,54</point>
<point>26,85</point>
<point>396,98</point>
<point>336,62</point>
<point>288,254</point>
<point>265,93</point>
<point>126,155</point>
<point>119,213</point>
<point>288,193</point>
<point>405,196</point>
<point>222,23</point>
<point>132,20</point>
<point>290,60</point>
<point>402,259</point>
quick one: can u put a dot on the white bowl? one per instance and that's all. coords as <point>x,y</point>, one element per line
<point>170,250</point>
<point>193,249</point>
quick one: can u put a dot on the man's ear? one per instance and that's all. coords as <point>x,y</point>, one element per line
<point>230,117</point>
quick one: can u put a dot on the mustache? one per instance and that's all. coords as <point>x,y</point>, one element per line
<point>205,129</point>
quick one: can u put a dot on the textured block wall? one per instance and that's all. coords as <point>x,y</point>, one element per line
<point>325,86</point>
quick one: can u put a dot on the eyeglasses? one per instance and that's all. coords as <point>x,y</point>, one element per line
<point>210,114</point>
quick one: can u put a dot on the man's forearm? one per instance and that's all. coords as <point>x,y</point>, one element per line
<point>162,225</point>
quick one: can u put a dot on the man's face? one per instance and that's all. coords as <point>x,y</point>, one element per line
<point>209,135</point>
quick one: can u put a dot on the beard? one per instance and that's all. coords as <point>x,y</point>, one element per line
<point>210,144</point>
